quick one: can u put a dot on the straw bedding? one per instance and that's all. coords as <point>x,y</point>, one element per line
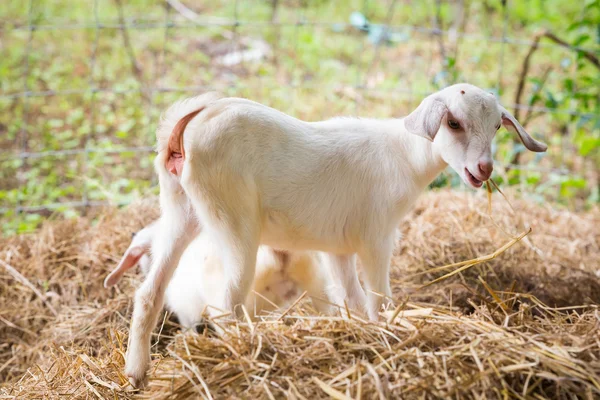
<point>524,325</point>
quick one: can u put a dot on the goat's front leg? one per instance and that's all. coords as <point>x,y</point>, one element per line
<point>344,285</point>
<point>176,230</point>
<point>376,273</point>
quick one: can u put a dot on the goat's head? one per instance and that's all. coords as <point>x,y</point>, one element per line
<point>462,120</point>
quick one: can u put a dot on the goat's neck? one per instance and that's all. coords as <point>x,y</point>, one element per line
<point>414,157</point>
<point>424,160</point>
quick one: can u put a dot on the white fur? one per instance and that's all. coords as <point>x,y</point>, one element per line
<point>253,175</point>
<point>194,286</point>
<point>199,277</point>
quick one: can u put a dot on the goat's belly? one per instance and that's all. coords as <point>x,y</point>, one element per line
<point>282,233</point>
<point>281,241</point>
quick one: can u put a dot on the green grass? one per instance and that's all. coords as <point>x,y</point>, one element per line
<point>316,70</point>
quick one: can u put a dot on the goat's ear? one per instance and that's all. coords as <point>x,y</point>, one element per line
<point>426,119</point>
<point>129,260</point>
<point>514,126</point>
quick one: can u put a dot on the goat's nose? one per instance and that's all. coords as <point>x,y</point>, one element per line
<point>486,168</point>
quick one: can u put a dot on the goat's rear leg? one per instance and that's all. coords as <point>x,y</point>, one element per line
<point>239,259</point>
<point>232,220</point>
<point>177,228</point>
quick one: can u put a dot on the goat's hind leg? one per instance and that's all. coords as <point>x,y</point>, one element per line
<point>231,216</point>
<point>177,228</point>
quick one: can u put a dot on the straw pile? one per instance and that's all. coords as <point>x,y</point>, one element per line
<point>508,328</point>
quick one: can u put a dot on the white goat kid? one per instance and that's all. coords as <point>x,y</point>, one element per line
<point>280,277</point>
<point>251,174</point>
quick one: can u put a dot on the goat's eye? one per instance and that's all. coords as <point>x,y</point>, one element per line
<point>498,126</point>
<point>453,124</point>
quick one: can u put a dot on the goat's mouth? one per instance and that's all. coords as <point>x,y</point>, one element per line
<point>476,183</point>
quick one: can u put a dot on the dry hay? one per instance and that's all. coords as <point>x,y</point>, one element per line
<point>491,331</point>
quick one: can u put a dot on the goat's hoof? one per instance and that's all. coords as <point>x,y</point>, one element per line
<point>138,382</point>
<point>388,305</point>
<point>135,370</point>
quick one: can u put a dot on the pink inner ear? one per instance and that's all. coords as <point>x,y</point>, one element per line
<point>135,253</point>
<point>530,143</point>
<point>507,122</point>
<point>129,260</point>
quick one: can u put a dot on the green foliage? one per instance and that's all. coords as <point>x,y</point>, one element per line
<point>577,95</point>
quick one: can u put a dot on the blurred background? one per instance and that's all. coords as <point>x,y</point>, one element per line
<point>83,83</point>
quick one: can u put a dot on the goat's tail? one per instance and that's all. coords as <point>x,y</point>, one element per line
<point>171,139</point>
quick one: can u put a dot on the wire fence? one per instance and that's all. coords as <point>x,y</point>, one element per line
<point>180,17</point>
